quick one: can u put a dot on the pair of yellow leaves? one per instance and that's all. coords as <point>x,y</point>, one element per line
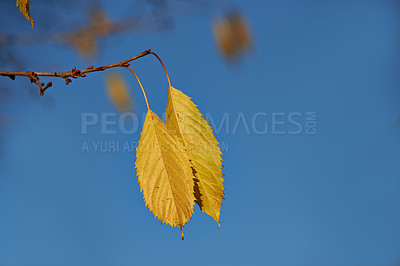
<point>179,163</point>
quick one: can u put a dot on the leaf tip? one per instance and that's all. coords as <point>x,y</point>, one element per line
<point>182,236</point>
<point>24,9</point>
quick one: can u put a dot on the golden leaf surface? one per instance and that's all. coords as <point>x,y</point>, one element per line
<point>24,8</point>
<point>185,120</point>
<point>164,173</point>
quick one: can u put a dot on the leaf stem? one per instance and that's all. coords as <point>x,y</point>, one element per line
<point>144,93</point>
<point>159,59</point>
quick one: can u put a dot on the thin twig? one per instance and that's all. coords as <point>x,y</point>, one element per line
<point>74,73</point>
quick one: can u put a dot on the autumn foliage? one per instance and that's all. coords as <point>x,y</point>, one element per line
<point>178,162</point>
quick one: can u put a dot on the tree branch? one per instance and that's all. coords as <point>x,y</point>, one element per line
<point>74,73</point>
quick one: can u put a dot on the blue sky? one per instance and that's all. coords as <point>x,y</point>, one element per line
<point>327,198</point>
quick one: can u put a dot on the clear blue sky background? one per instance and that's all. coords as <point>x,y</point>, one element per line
<point>331,198</point>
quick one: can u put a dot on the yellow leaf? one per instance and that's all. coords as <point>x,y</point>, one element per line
<point>186,121</point>
<point>118,92</point>
<point>24,8</point>
<point>164,173</point>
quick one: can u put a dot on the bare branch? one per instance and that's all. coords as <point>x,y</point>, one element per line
<point>74,73</point>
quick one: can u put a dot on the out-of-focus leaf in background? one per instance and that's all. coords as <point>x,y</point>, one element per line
<point>118,92</point>
<point>98,16</point>
<point>85,39</point>
<point>84,42</point>
<point>232,35</point>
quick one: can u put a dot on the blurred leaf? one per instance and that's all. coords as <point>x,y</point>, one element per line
<point>84,41</point>
<point>187,123</point>
<point>224,38</point>
<point>241,32</point>
<point>232,35</point>
<point>99,23</point>
<point>24,8</point>
<point>164,173</point>
<point>118,92</point>
<point>98,16</point>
